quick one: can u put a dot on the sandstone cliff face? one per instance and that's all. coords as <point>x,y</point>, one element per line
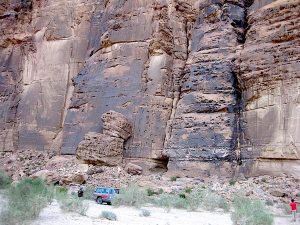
<point>204,127</point>
<point>207,85</point>
<point>269,67</point>
<point>41,50</point>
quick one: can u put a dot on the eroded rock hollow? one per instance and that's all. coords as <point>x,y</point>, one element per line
<point>207,86</point>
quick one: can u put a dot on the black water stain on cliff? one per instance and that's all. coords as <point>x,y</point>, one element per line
<point>238,108</point>
<point>237,85</point>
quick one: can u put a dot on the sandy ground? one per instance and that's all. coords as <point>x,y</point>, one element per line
<point>52,215</point>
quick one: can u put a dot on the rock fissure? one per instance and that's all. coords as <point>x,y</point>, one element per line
<point>180,14</point>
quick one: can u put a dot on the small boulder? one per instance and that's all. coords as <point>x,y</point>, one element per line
<point>65,180</point>
<point>95,170</point>
<point>100,149</point>
<point>116,125</point>
<point>78,178</point>
<point>75,178</point>
<point>133,169</point>
<point>277,193</point>
<point>48,176</point>
<point>249,193</point>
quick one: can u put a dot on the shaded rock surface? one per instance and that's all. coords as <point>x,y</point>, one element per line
<point>209,87</point>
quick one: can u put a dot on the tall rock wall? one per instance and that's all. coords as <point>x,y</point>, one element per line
<point>204,129</point>
<point>269,66</point>
<point>209,86</point>
<point>43,46</point>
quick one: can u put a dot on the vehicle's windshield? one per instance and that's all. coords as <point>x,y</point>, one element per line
<point>102,190</point>
<point>106,190</point>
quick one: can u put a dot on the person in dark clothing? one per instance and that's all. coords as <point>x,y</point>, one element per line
<point>80,192</point>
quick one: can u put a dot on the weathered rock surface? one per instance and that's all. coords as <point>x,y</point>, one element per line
<point>76,178</point>
<point>206,85</point>
<point>106,148</point>
<point>116,125</point>
<point>46,175</point>
<point>52,177</point>
<point>268,68</point>
<point>204,127</point>
<point>277,193</point>
<point>133,169</point>
<point>101,149</point>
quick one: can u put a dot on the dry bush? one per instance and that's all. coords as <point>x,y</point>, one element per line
<point>109,215</point>
<point>24,201</point>
<point>250,212</point>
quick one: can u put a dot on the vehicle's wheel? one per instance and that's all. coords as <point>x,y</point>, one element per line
<point>99,200</point>
<point>109,203</point>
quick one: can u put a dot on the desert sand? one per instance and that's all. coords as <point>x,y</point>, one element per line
<point>52,215</point>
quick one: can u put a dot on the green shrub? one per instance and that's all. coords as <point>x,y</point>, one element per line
<point>232,182</point>
<point>249,212</point>
<point>198,198</point>
<point>285,208</point>
<point>5,180</point>
<point>169,201</point>
<point>131,196</point>
<point>109,215</point>
<point>61,189</point>
<point>195,199</point>
<point>188,190</point>
<point>206,199</point>
<point>151,192</point>
<point>174,178</point>
<point>211,201</point>
<point>269,202</point>
<point>145,212</point>
<point>223,204</point>
<point>24,201</point>
<point>88,192</point>
<point>69,203</point>
<point>182,195</point>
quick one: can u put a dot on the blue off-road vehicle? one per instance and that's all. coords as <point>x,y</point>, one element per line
<point>105,194</point>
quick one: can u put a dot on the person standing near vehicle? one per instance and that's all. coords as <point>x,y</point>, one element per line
<point>80,191</point>
<point>293,206</point>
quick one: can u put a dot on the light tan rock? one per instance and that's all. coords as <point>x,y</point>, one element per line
<point>78,178</point>
<point>101,149</point>
<point>269,75</point>
<point>277,193</point>
<point>84,168</point>
<point>49,176</point>
<point>133,169</point>
<point>117,125</point>
<point>73,178</point>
